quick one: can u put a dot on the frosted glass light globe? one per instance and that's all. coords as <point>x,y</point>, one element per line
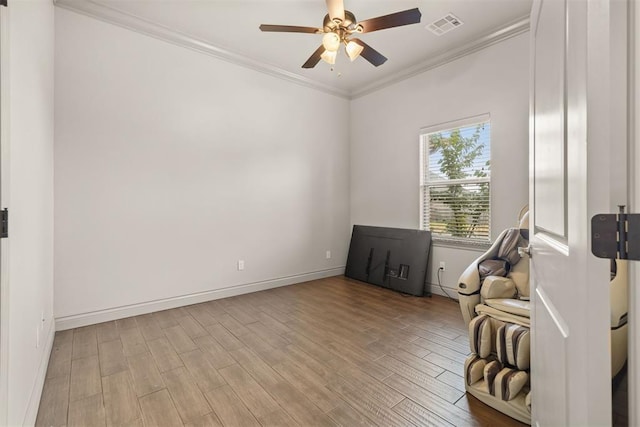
<point>329,57</point>
<point>331,42</point>
<point>353,50</point>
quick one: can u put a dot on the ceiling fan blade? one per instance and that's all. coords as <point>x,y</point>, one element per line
<point>314,58</point>
<point>398,19</point>
<point>289,29</point>
<point>370,54</point>
<point>336,9</point>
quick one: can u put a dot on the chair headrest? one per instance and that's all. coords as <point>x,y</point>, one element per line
<point>523,218</point>
<point>524,221</point>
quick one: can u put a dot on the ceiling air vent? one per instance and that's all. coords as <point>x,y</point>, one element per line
<point>444,24</point>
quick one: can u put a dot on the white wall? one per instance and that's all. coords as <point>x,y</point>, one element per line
<point>385,126</point>
<point>172,165</point>
<point>30,201</point>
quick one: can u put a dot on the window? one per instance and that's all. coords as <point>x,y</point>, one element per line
<point>456,181</point>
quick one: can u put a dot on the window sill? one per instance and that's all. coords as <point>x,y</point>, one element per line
<point>457,244</point>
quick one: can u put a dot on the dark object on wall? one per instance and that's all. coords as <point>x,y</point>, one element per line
<point>393,258</point>
<point>616,236</point>
<point>4,223</point>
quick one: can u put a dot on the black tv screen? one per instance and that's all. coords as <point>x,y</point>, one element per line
<point>393,258</point>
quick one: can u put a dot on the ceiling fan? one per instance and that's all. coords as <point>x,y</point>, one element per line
<point>338,28</point>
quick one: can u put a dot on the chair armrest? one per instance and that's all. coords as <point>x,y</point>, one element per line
<point>468,304</point>
<point>469,292</point>
<point>497,287</point>
<point>469,281</point>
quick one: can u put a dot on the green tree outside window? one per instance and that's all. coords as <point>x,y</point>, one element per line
<point>457,182</point>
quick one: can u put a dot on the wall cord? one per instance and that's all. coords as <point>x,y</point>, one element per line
<point>440,284</point>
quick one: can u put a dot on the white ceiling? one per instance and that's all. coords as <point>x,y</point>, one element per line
<point>233,26</point>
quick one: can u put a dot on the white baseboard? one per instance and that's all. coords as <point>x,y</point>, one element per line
<point>450,292</point>
<point>91,318</point>
<point>36,392</point>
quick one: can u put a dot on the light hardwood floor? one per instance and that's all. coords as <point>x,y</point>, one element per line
<point>328,352</point>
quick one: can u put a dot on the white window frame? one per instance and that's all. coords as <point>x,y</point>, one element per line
<point>424,172</point>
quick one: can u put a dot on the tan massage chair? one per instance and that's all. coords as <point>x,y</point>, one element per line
<point>496,308</point>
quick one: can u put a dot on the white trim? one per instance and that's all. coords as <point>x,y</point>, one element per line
<point>633,359</point>
<point>553,242</point>
<point>135,23</point>
<point>95,9</point>
<point>440,182</point>
<point>511,30</point>
<point>553,312</point>
<point>38,385</point>
<point>426,183</point>
<point>90,318</point>
<point>467,121</point>
<point>451,293</point>
<point>466,245</point>
<point>4,191</point>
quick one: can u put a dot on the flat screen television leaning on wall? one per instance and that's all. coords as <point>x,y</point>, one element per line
<point>393,258</point>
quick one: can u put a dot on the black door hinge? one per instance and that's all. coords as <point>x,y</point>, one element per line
<point>4,223</point>
<point>3,3</point>
<point>616,236</point>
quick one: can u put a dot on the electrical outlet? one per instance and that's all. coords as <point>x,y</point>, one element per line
<point>328,255</point>
<point>442,266</point>
<point>240,264</point>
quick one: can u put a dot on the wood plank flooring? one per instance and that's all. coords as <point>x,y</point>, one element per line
<point>332,352</point>
<point>620,398</point>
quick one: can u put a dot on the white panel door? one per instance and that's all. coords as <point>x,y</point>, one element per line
<point>4,193</point>
<point>570,181</point>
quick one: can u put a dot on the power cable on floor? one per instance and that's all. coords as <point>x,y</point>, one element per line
<point>440,284</point>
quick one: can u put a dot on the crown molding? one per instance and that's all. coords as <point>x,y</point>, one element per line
<point>132,22</point>
<point>512,29</point>
<point>95,9</point>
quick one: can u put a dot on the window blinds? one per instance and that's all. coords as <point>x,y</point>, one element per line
<point>456,182</point>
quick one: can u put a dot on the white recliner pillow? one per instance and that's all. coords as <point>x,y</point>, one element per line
<point>475,370</point>
<point>508,383</point>
<point>497,287</point>
<point>520,275</point>
<point>480,337</point>
<point>513,345</point>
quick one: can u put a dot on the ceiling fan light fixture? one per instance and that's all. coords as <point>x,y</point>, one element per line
<point>353,50</point>
<point>329,57</point>
<point>339,25</point>
<point>331,42</point>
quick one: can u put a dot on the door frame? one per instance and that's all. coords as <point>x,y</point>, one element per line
<point>4,244</point>
<point>633,363</point>
<point>588,137</point>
